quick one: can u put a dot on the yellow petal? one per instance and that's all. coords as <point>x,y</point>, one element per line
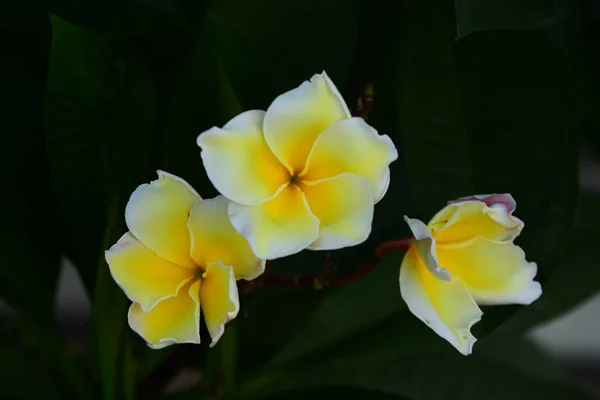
<point>295,119</point>
<point>145,278</point>
<point>219,299</point>
<point>344,207</point>
<point>238,161</point>
<point>173,320</point>
<point>214,238</point>
<point>464,220</point>
<point>446,306</point>
<point>157,214</point>
<point>279,227</point>
<point>350,145</point>
<point>495,272</point>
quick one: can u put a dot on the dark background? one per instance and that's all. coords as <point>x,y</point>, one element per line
<point>478,96</point>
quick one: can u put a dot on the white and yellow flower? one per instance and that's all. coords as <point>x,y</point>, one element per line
<point>463,257</point>
<point>303,174</point>
<point>181,255</point>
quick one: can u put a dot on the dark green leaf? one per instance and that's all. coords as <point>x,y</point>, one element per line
<point>290,52</point>
<point>576,276</point>
<point>325,393</point>
<point>29,252</point>
<point>512,370</point>
<point>100,119</point>
<point>347,311</point>
<point>489,114</point>
<point>20,379</point>
<point>477,15</point>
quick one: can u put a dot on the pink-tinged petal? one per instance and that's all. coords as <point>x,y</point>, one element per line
<point>157,214</point>
<point>145,278</point>
<point>295,119</point>
<point>446,306</point>
<point>464,220</point>
<point>351,145</point>
<point>238,161</point>
<point>504,200</point>
<point>173,320</point>
<point>344,207</point>
<point>215,239</point>
<point>279,227</point>
<point>495,272</point>
<point>219,299</point>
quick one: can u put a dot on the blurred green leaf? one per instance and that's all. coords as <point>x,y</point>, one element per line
<point>290,52</point>
<point>201,97</point>
<point>477,15</point>
<point>489,114</point>
<point>100,119</point>
<point>511,371</point>
<point>109,316</point>
<point>347,311</point>
<point>29,251</point>
<point>101,135</point>
<point>326,393</point>
<point>22,380</point>
<point>119,18</point>
<point>25,16</point>
<point>576,276</point>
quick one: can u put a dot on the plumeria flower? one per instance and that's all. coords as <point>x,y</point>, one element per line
<point>303,174</point>
<point>465,256</point>
<point>181,254</point>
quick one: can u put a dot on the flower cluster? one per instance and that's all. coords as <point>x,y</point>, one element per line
<point>304,174</point>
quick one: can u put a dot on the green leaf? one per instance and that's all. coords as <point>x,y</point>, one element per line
<point>119,18</point>
<point>512,370</point>
<point>478,15</point>
<point>109,316</point>
<point>21,379</point>
<point>101,136</point>
<point>575,278</point>
<point>489,114</point>
<point>100,124</point>
<point>289,52</point>
<point>325,393</point>
<point>347,311</point>
<point>29,249</point>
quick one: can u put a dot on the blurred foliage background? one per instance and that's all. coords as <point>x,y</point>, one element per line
<point>479,97</point>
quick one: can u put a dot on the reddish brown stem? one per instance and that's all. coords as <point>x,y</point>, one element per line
<point>327,277</point>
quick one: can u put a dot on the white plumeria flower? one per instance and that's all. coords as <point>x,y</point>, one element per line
<point>463,257</point>
<point>303,174</point>
<point>181,255</point>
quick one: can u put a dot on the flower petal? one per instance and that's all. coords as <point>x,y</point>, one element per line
<point>464,220</point>
<point>495,272</point>
<point>445,306</point>
<point>145,278</point>
<point>219,299</point>
<point>238,161</point>
<point>279,227</point>
<point>173,320</point>
<point>157,213</point>
<point>295,119</point>
<point>344,207</point>
<point>350,145</point>
<point>214,238</point>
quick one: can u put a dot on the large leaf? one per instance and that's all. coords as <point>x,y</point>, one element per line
<point>490,113</point>
<point>100,119</point>
<point>347,311</point>
<point>22,380</point>
<point>512,370</point>
<point>477,15</point>
<point>289,52</point>
<point>575,278</point>
<point>29,251</point>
